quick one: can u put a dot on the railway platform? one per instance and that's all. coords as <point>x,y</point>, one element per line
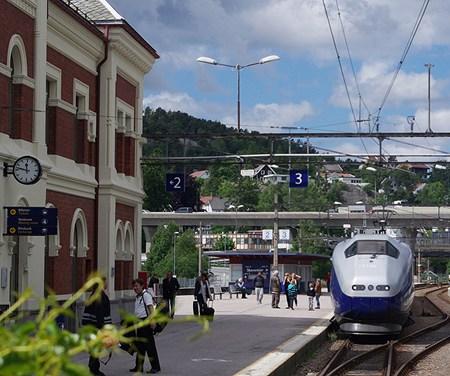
<point>245,339</point>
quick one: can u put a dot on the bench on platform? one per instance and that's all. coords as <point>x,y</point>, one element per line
<point>233,290</point>
<point>217,290</point>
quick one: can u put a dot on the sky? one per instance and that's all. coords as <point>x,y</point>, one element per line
<point>304,89</point>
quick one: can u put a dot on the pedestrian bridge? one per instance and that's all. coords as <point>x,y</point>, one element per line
<point>412,217</point>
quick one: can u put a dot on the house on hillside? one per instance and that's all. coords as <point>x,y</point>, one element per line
<point>203,174</point>
<point>421,169</point>
<point>259,172</point>
<point>345,178</point>
<point>212,204</point>
<point>331,168</point>
<point>275,178</point>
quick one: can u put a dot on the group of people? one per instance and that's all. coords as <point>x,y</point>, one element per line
<point>98,314</point>
<point>290,286</point>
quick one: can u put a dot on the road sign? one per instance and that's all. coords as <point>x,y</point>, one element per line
<point>267,234</point>
<point>174,182</point>
<point>298,178</point>
<point>34,221</point>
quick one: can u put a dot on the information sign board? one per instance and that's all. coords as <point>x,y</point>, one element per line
<point>267,234</point>
<point>33,221</point>
<point>298,178</point>
<point>174,182</point>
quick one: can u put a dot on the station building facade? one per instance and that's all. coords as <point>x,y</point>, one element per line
<point>71,90</point>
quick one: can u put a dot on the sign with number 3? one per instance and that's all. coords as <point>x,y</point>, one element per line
<point>298,178</point>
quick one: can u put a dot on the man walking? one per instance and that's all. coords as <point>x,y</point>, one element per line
<point>170,287</point>
<point>97,314</point>
<point>145,342</point>
<point>259,287</point>
<point>275,287</point>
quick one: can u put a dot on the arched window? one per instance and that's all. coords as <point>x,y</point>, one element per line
<point>129,241</point>
<point>17,61</point>
<point>78,235</point>
<point>119,239</point>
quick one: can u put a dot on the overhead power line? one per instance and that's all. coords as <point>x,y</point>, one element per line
<point>403,57</point>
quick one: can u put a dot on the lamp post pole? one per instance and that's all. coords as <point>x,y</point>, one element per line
<point>275,230</point>
<point>200,245</point>
<point>174,239</point>
<point>238,67</point>
<point>429,66</point>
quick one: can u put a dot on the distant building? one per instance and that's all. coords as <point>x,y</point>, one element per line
<point>212,204</point>
<point>203,174</point>
<point>259,172</point>
<point>275,178</point>
<point>330,168</point>
<point>344,178</point>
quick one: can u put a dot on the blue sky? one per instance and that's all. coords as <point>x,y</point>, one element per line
<point>304,88</point>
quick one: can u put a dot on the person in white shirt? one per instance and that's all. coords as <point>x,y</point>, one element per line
<point>143,307</point>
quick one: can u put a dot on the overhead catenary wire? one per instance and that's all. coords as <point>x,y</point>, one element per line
<point>403,56</point>
<point>340,62</point>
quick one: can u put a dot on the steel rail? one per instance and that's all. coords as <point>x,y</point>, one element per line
<point>389,346</point>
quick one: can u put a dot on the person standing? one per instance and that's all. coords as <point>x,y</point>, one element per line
<point>311,292</point>
<point>259,287</point>
<point>97,314</point>
<point>240,285</point>
<point>284,287</point>
<point>292,292</point>
<point>318,291</point>
<point>145,342</point>
<point>275,287</point>
<point>202,292</point>
<point>170,287</point>
<point>153,285</point>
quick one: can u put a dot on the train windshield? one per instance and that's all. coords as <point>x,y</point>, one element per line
<point>372,247</point>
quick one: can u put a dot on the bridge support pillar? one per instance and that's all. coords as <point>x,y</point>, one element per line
<point>149,233</point>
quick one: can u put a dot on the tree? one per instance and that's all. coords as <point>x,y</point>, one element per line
<point>162,245</point>
<point>432,194</point>
<point>156,197</point>
<point>224,243</point>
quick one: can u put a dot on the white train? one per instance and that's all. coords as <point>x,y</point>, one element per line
<point>372,285</point>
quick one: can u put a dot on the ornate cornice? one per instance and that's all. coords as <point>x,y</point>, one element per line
<point>27,6</point>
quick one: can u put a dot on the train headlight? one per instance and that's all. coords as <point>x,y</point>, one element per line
<point>370,287</point>
<point>358,287</point>
<point>383,287</point>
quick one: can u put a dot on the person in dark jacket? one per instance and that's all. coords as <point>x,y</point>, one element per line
<point>202,292</point>
<point>259,287</point>
<point>170,287</point>
<point>97,314</point>
<point>311,292</point>
<point>275,287</point>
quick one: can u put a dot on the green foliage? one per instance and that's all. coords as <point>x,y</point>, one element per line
<point>321,268</point>
<point>241,191</point>
<point>311,239</point>
<point>160,258</point>
<point>41,348</point>
<point>432,194</point>
<point>156,198</point>
<point>224,243</point>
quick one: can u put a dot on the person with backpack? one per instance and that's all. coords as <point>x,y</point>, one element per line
<point>143,307</point>
<point>97,314</point>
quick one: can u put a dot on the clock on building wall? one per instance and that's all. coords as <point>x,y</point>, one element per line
<point>26,170</point>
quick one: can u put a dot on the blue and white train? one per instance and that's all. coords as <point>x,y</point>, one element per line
<point>372,285</point>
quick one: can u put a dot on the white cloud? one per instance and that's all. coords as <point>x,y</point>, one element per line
<point>173,102</point>
<point>409,88</point>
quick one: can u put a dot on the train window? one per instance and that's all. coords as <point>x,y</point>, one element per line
<point>391,250</point>
<point>371,247</point>
<point>351,251</point>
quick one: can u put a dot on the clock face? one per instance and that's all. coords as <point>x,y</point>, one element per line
<point>27,170</point>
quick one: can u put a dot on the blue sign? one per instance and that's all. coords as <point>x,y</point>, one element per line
<point>298,178</point>
<point>174,182</point>
<point>33,221</point>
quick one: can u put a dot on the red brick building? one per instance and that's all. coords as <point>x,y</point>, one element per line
<point>71,90</point>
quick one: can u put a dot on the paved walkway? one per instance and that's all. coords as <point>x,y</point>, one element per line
<point>241,334</point>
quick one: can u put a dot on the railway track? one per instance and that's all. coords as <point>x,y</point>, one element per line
<point>394,357</point>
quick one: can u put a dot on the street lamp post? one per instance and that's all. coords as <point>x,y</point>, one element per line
<point>174,263</point>
<point>238,67</point>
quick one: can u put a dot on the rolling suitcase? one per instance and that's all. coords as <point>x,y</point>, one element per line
<point>195,307</point>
